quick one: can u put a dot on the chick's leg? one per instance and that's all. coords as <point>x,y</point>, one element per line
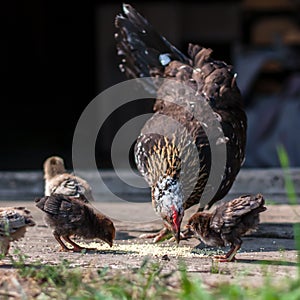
<point>229,256</point>
<point>63,246</point>
<point>76,248</point>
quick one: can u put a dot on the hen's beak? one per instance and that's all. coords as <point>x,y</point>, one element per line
<point>176,231</point>
<point>177,236</point>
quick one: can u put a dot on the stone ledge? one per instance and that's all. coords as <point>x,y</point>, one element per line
<point>26,185</point>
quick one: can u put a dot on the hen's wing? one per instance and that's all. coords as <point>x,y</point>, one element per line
<point>230,214</point>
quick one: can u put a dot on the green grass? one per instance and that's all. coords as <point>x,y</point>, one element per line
<point>149,281</point>
<point>43,274</point>
<point>288,182</point>
<point>291,194</point>
<point>63,282</point>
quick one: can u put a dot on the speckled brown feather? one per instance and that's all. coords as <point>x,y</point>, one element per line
<point>213,79</point>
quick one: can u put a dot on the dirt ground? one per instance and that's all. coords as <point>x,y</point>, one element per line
<point>271,250</point>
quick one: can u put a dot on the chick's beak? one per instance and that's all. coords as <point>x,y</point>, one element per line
<point>109,242</point>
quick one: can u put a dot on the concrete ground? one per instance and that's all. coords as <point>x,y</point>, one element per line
<point>271,250</point>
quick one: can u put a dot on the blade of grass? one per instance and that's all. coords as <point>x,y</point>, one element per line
<point>288,182</point>
<point>291,194</point>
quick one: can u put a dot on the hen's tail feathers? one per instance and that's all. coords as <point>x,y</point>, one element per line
<point>144,52</point>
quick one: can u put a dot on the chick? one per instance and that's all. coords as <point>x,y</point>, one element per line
<point>13,225</point>
<point>228,223</point>
<point>69,216</point>
<point>58,181</point>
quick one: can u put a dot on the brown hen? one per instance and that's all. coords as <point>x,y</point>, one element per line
<point>198,109</point>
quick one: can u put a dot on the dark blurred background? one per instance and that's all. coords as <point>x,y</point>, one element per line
<point>57,56</point>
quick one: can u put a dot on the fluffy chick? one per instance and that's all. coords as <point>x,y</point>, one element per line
<point>13,225</point>
<point>69,216</point>
<point>228,223</point>
<point>58,181</point>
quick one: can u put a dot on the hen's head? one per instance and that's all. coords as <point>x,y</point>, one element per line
<point>167,199</point>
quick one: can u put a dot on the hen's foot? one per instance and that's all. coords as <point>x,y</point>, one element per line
<point>184,235</point>
<point>157,237</point>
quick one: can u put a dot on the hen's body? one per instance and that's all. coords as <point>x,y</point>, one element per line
<point>13,225</point>
<point>201,105</point>
<point>58,181</point>
<point>69,216</point>
<point>228,223</point>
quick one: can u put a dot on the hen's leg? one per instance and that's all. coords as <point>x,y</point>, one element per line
<point>161,235</point>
